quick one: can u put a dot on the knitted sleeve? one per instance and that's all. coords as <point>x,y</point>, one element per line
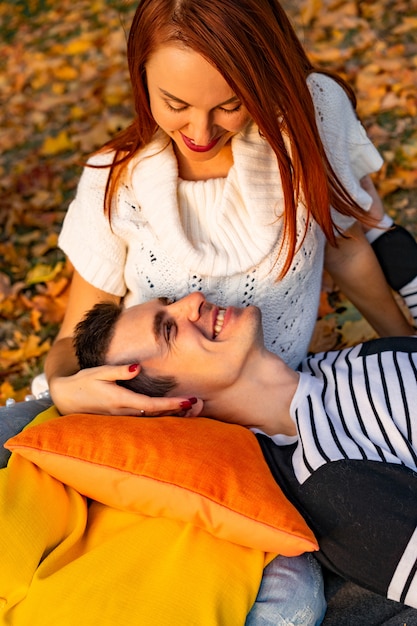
<point>87,238</point>
<point>348,148</point>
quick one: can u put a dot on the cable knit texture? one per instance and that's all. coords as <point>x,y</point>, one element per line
<point>221,236</point>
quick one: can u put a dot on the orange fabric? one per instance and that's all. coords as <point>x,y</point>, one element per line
<point>189,469</point>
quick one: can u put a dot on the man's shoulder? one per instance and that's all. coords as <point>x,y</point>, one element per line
<point>389,344</point>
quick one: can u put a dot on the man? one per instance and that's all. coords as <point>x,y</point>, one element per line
<point>339,435</point>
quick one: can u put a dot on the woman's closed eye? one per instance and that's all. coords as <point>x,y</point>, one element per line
<point>236,109</point>
<point>179,108</point>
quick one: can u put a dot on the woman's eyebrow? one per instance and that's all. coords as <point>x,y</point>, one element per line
<point>231,100</point>
<point>171,97</point>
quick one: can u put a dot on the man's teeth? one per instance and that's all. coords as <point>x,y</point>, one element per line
<point>219,321</point>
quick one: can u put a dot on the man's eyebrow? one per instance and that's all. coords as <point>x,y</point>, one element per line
<point>157,320</point>
<point>231,100</point>
<point>157,324</point>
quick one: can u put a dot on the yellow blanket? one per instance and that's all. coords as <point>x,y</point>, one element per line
<point>66,561</point>
<point>127,558</point>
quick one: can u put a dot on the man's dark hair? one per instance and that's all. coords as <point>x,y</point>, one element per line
<point>92,339</point>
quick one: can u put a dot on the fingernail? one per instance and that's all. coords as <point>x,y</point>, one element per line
<point>186,405</point>
<point>133,367</point>
<point>192,400</point>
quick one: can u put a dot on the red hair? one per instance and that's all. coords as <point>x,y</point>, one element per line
<point>255,48</point>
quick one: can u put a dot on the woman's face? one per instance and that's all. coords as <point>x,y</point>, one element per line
<point>193,104</point>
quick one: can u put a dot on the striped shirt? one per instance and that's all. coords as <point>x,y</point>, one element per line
<point>359,403</point>
<point>352,469</point>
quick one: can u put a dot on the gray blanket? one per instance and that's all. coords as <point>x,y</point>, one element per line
<point>350,605</point>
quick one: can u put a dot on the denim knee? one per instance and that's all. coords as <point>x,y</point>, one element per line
<point>291,593</point>
<point>14,418</point>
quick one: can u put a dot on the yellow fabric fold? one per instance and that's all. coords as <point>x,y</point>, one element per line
<point>67,561</point>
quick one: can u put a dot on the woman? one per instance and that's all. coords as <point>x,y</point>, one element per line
<point>223,183</point>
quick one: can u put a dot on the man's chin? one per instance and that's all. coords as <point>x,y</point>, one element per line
<point>258,330</point>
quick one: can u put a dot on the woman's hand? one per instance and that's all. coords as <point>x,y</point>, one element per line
<point>94,390</point>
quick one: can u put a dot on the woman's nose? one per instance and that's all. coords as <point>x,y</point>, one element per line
<point>201,129</point>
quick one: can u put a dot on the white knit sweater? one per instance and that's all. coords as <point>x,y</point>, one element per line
<point>221,236</point>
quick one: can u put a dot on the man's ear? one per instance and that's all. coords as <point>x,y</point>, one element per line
<point>196,409</point>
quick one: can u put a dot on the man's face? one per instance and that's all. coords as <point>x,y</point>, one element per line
<point>205,348</point>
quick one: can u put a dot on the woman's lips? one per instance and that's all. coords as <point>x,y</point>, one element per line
<point>195,148</point>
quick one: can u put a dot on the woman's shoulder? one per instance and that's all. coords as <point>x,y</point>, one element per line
<point>101,158</point>
<point>327,91</point>
<point>336,116</point>
<point>104,157</point>
<point>99,164</point>
<point>96,169</point>
<point>324,82</point>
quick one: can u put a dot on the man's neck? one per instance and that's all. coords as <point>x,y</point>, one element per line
<point>261,399</point>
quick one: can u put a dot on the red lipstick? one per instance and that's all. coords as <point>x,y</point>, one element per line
<point>195,148</point>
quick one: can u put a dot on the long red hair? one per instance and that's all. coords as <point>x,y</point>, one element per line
<point>255,48</point>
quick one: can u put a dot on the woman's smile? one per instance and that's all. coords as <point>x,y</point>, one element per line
<point>191,145</point>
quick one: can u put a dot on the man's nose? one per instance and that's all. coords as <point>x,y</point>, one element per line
<point>190,306</point>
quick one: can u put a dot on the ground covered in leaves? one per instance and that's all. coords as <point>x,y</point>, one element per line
<point>64,91</point>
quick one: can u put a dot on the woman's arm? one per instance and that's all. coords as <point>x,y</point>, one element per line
<point>376,210</point>
<point>94,390</point>
<point>355,269</point>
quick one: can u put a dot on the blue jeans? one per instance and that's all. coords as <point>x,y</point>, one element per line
<point>14,418</point>
<point>291,594</point>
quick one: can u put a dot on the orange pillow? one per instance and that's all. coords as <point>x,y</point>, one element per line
<point>194,470</point>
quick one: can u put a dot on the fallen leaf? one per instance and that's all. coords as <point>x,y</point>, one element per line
<point>43,273</point>
<point>54,145</point>
<point>354,332</point>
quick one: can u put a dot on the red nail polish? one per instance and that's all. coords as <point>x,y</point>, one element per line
<point>186,405</point>
<point>133,367</point>
<point>192,400</point>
